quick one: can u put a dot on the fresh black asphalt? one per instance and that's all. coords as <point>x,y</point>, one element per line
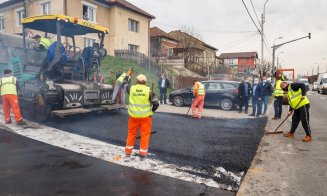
<point>29,167</point>
<point>200,144</point>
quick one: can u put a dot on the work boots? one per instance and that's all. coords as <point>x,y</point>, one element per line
<point>307,138</point>
<point>289,135</point>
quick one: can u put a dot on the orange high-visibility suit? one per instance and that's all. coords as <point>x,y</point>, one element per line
<point>9,98</point>
<point>199,95</point>
<point>142,104</point>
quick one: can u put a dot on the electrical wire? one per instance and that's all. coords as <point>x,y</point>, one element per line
<point>251,17</point>
<point>240,42</point>
<point>256,14</point>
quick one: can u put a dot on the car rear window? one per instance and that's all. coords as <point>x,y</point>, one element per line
<point>212,86</point>
<point>229,86</point>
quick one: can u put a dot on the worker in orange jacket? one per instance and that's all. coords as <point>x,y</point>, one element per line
<point>198,99</point>
<point>142,103</point>
<point>8,86</point>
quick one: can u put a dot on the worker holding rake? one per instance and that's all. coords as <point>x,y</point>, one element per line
<point>299,105</point>
<point>198,100</point>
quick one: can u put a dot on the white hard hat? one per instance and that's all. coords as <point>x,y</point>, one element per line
<point>141,78</point>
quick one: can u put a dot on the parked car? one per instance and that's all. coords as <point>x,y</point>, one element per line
<point>218,93</point>
<point>315,86</point>
<point>322,83</point>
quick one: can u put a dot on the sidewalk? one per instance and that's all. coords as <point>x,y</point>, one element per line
<point>284,166</point>
<point>209,112</point>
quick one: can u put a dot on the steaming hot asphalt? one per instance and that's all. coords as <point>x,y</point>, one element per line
<point>203,145</point>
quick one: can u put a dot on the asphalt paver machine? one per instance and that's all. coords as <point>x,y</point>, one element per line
<point>60,80</point>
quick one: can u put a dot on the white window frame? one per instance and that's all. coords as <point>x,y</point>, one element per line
<point>47,5</point>
<point>20,13</point>
<point>88,42</point>
<point>2,24</point>
<point>133,48</point>
<point>94,13</point>
<point>133,25</point>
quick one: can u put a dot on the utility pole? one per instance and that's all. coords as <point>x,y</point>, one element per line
<point>318,70</point>
<point>262,31</point>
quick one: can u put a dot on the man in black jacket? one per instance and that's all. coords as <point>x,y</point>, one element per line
<point>299,104</point>
<point>163,85</point>
<point>244,94</point>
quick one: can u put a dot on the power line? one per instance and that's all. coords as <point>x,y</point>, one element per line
<point>251,17</point>
<point>255,13</point>
<point>241,41</point>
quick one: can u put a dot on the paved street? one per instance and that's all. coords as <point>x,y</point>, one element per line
<point>214,152</point>
<point>286,166</point>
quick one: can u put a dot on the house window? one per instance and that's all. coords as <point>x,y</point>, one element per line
<point>45,8</point>
<point>89,12</point>
<point>20,14</point>
<point>2,23</point>
<point>170,51</point>
<point>133,25</point>
<point>88,42</point>
<point>133,48</point>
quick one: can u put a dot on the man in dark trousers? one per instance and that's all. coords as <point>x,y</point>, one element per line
<point>299,104</point>
<point>244,94</point>
<point>266,93</point>
<point>163,85</point>
<point>256,95</point>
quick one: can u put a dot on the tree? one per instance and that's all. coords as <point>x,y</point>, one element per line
<point>189,42</point>
<point>264,70</point>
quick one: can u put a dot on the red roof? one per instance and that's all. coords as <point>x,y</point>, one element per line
<point>127,5</point>
<point>156,32</point>
<point>238,55</point>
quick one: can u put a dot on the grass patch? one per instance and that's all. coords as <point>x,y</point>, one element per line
<point>110,66</point>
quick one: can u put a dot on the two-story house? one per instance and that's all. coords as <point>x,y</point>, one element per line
<point>240,61</point>
<point>162,44</point>
<point>198,55</point>
<point>129,25</point>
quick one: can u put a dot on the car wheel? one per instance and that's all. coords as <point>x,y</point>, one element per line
<point>226,104</point>
<point>178,101</point>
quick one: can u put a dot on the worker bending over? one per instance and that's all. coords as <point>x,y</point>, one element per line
<point>142,103</point>
<point>44,42</point>
<point>198,99</point>
<point>119,87</point>
<point>9,86</point>
<point>300,104</point>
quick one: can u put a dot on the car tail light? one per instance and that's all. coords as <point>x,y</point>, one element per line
<point>235,90</point>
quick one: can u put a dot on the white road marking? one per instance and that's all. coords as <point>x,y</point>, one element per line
<point>322,98</point>
<point>115,154</point>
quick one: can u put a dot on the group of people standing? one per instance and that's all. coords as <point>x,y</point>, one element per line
<point>259,92</point>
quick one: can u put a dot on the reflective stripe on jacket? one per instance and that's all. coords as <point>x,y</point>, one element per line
<point>198,89</point>
<point>139,104</point>
<point>46,42</point>
<point>294,97</point>
<point>121,78</point>
<point>278,92</point>
<point>8,85</point>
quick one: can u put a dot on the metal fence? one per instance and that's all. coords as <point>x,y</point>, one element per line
<point>140,59</point>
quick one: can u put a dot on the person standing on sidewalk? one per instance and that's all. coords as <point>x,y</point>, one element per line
<point>243,94</point>
<point>9,86</point>
<point>142,103</point>
<point>299,104</point>
<point>163,84</point>
<point>198,99</point>
<point>278,103</point>
<point>256,96</point>
<point>266,93</point>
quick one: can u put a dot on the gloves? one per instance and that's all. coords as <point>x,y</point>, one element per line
<point>127,79</point>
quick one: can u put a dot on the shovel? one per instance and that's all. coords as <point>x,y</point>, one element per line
<point>279,132</point>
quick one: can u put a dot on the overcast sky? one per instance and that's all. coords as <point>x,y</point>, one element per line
<point>226,25</point>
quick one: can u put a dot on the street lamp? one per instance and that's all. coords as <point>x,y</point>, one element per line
<point>278,58</point>
<point>277,39</point>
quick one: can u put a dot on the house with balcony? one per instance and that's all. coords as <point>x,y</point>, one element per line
<point>239,62</point>
<point>129,25</point>
<point>199,56</point>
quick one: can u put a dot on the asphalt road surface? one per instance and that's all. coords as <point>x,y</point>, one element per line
<point>200,144</point>
<point>29,167</point>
